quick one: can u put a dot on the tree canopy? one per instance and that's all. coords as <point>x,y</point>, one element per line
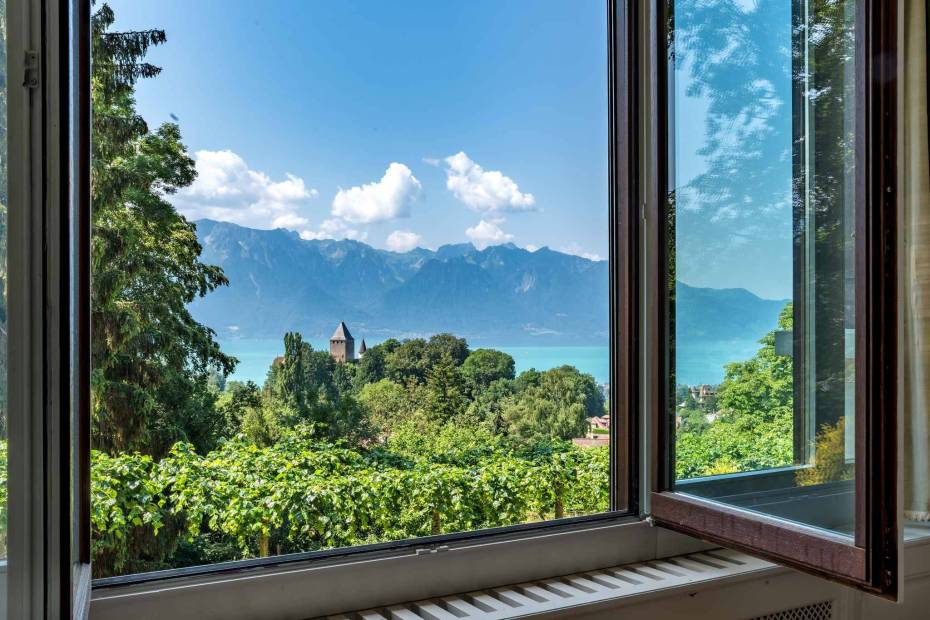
<point>151,360</point>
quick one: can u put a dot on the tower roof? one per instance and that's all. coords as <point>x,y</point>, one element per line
<point>341,333</point>
<point>362,348</point>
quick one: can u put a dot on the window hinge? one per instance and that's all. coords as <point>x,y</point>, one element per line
<point>642,212</point>
<point>31,69</point>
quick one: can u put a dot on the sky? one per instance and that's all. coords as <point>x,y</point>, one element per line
<point>422,123</point>
<point>400,124</point>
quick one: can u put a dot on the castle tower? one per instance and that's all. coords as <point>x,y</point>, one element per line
<point>342,344</point>
<point>362,349</point>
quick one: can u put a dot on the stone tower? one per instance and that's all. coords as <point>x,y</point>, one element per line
<point>342,344</point>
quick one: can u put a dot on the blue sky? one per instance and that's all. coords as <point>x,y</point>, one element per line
<point>425,123</point>
<point>293,101</point>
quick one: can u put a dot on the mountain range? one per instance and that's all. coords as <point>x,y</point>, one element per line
<point>502,294</point>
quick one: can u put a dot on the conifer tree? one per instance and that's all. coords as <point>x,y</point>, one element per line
<point>151,359</point>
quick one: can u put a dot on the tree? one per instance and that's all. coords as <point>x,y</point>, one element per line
<point>762,387</point>
<point>754,429</point>
<point>445,390</point>
<point>440,345</point>
<point>408,362</point>
<point>290,384</point>
<point>371,368</point>
<point>148,353</point>
<point>554,404</point>
<point>387,404</point>
<point>487,406</point>
<point>235,402</point>
<point>484,366</point>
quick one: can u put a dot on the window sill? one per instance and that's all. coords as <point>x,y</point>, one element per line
<point>364,583</point>
<point>589,591</point>
<point>597,591</point>
<point>328,586</point>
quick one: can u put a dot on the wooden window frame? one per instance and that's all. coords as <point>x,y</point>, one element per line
<point>869,559</point>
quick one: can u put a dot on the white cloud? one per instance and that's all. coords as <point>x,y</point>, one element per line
<point>577,250</point>
<point>487,233</point>
<point>227,189</point>
<point>382,200</point>
<point>484,191</point>
<point>402,241</point>
<point>334,228</point>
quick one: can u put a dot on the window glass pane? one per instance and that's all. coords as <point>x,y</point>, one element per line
<point>350,276</point>
<point>762,242</point>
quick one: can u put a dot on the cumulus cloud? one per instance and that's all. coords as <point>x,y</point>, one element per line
<point>227,189</point>
<point>334,228</point>
<point>387,199</point>
<point>484,191</point>
<point>402,241</point>
<point>487,233</point>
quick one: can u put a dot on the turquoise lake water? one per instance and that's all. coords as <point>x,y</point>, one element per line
<point>696,363</point>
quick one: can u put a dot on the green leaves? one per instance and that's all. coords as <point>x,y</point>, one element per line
<point>303,493</point>
<point>150,357</point>
<point>754,427</point>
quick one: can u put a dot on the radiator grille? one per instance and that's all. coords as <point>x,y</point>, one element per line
<point>817,611</point>
<point>548,595</point>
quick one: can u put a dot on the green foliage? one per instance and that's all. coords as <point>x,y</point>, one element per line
<point>830,464</point>
<point>485,366</point>
<point>127,507</point>
<point>444,389</point>
<point>754,429</point>
<point>386,402</point>
<point>552,405</point>
<point>309,387</point>
<point>150,358</point>
<point>303,493</point>
<point>447,345</point>
<point>487,408</point>
<point>235,403</point>
<point>371,368</point>
<point>407,362</point>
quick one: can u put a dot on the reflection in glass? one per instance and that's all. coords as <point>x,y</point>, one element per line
<point>762,242</point>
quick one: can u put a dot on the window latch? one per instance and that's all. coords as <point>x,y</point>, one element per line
<point>31,69</point>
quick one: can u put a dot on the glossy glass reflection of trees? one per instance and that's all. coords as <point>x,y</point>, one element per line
<point>762,138</point>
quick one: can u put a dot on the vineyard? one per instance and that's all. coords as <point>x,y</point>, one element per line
<point>303,494</point>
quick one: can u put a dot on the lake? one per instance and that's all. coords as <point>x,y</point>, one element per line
<point>698,362</point>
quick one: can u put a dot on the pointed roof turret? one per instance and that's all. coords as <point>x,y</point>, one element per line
<point>341,333</point>
<point>363,348</point>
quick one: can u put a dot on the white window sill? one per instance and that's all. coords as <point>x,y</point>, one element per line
<point>590,590</point>
<point>378,583</point>
<point>327,586</point>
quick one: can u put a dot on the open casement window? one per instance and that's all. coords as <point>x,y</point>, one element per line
<point>45,303</point>
<point>776,173</point>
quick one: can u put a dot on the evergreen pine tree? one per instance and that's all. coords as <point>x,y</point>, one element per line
<point>151,359</point>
